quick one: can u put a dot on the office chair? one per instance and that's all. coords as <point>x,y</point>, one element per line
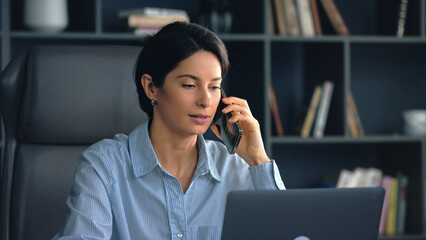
<point>55,102</point>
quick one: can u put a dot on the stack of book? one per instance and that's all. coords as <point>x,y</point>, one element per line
<point>149,20</point>
<point>301,17</point>
<point>393,217</point>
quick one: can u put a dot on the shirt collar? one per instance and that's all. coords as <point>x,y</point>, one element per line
<point>205,160</point>
<point>143,157</point>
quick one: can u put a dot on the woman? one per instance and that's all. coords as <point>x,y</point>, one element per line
<point>164,181</point>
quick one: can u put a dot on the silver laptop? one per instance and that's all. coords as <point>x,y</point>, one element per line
<point>304,214</point>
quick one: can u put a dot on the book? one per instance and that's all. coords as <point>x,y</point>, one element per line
<point>149,20</point>
<point>275,112</point>
<point>373,177</point>
<point>401,18</point>
<point>146,30</point>
<point>323,109</point>
<point>291,18</point>
<point>360,177</point>
<point>151,11</point>
<point>279,17</point>
<point>390,229</point>
<point>344,178</point>
<point>351,123</point>
<point>316,18</point>
<point>272,18</point>
<point>335,17</point>
<point>310,115</point>
<point>401,203</point>
<point>354,120</point>
<point>305,18</point>
<point>134,21</point>
<point>386,184</point>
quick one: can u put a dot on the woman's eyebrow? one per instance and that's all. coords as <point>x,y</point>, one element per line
<point>196,78</point>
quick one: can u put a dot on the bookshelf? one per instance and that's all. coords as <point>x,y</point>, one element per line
<point>385,73</point>
<point>386,77</point>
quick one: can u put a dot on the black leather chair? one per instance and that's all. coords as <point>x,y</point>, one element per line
<point>56,101</point>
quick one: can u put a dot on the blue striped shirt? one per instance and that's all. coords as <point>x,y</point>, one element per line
<point>121,191</point>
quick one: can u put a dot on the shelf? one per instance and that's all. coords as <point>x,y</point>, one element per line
<point>348,39</point>
<point>242,37</point>
<point>118,36</point>
<point>386,39</point>
<point>75,35</point>
<point>404,237</point>
<point>347,140</point>
<point>225,37</point>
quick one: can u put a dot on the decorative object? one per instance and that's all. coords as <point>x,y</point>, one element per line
<point>216,15</point>
<point>46,15</point>
<point>415,122</point>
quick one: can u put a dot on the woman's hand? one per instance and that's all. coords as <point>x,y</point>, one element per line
<point>251,147</point>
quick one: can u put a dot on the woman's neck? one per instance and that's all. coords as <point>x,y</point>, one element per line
<point>178,155</point>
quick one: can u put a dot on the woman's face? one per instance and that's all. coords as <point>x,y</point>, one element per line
<point>190,95</point>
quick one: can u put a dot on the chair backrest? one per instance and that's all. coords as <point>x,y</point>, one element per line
<point>55,102</point>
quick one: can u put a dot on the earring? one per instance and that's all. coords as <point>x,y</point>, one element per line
<point>153,102</point>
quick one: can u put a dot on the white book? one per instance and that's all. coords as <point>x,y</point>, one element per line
<point>358,178</point>
<point>323,109</point>
<point>305,18</point>
<point>344,179</point>
<point>373,177</point>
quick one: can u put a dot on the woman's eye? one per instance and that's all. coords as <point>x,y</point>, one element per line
<point>188,85</point>
<point>215,87</point>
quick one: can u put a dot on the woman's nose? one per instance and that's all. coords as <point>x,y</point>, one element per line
<point>204,98</point>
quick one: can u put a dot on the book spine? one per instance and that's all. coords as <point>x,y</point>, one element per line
<point>307,125</point>
<point>391,216</point>
<point>272,13</point>
<point>305,18</point>
<point>351,123</point>
<point>281,22</point>
<point>149,11</point>
<point>291,18</point>
<point>315,17</point>
<point>401,203</point>
<point>323,109</point>
<point>275,111</point>
<point>335,17</point>
<point>354,120</point>
<point>386,182</point>
<point>142,20</point>
<point>401,20</point>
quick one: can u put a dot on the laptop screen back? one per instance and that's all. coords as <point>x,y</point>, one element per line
<point>314,214</point>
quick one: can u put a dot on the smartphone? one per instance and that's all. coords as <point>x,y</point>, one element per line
<point>230,132</point>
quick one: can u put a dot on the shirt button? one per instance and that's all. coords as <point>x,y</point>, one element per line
<point>179,235</point>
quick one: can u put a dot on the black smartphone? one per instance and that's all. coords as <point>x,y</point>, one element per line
<point>230,132</point>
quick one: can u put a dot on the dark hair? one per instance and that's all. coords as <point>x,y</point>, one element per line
<point>167,48</point>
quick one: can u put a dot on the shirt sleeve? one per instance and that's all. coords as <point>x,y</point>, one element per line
<point>89,214</point>
<point>266,177</point>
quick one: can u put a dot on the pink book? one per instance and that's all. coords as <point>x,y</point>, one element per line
<point>386,182</point>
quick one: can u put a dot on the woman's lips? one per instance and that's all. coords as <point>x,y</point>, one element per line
<point>200,119</point>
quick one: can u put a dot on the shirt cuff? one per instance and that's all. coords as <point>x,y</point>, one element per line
<point>266,177</point>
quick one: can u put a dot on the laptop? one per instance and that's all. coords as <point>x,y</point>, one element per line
<point>304,214</point>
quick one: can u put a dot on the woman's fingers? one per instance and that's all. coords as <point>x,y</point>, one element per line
<point>237,106</point>
<point>240,113</point>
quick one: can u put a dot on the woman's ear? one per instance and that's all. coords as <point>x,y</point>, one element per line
<point>148,86</point>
